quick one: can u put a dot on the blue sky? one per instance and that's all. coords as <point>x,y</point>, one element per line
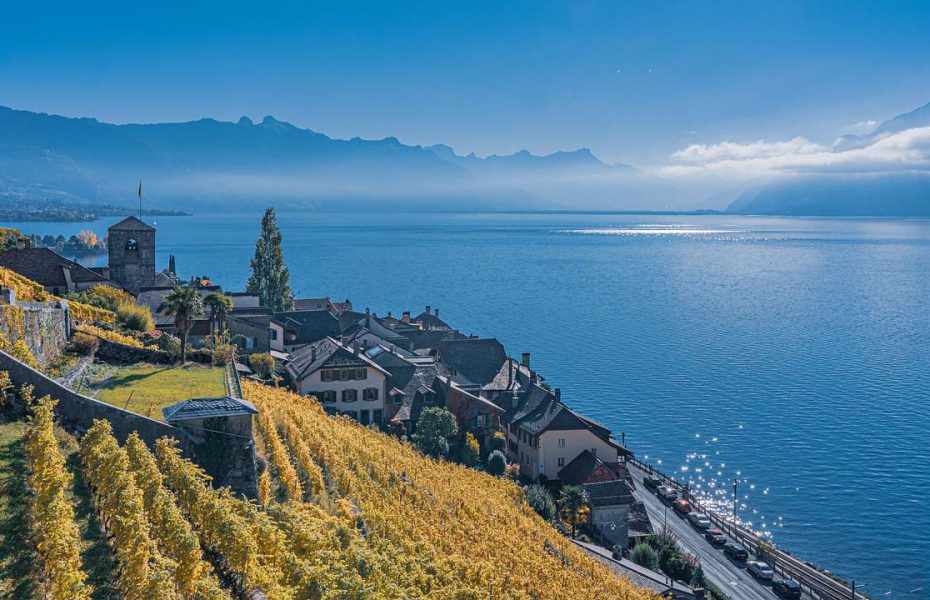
<point>634,81</point>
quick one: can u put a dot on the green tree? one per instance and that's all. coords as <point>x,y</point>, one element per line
<point>541,501</point>
<point>220,305</point>
<point>497,463</point>
<point>497,441</point>
<point>645,556</point>
<point>470,451</point>
<point>573,506</point>
<point>185,305</point>
<point>262,364</point>
<point>435,428</point>
<point>270,279</point>
<point>171,267</point>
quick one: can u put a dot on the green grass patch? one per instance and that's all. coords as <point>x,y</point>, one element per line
<point>15,556</point>
<point>147,389</point>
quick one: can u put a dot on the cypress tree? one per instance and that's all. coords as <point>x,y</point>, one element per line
<point>270,279</point>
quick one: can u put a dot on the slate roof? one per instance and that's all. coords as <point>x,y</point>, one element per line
<point>581,468</point>
<point>430,320</point>
<point>370,323</point>
<point>131,224</point>
<point>46,267</point>
<point>639,523</point>
<point>314,304</point>
<point>477,360</point>
<point>429,338</point>
<point>326,353</point>
<point>310,325</point>
<point>205,408</point>
<point>608,493</point>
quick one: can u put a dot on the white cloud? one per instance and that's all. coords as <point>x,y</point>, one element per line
<point>908,150</point>
<point>859,127</point>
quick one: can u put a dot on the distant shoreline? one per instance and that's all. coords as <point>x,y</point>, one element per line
<point>66,216</point>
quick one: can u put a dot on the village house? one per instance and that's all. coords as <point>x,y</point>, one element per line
<point>344,380</point>
<point>411,385</point>
<point>54,272</point>
<point>544,435</point>
<point>472,363</point>
<point>303,327</point>
<point>429,319</point>
<point>367,332</point>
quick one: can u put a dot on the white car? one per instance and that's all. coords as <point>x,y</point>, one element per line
<point>760,570</point>
<point>699,520</point>
<point>667,493</point>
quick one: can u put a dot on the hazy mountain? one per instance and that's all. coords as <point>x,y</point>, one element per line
<point>209,163</point>
<point>919,117</point>
<point>884,195</point>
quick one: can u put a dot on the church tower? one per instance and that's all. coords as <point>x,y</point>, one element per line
<point>131,248</point>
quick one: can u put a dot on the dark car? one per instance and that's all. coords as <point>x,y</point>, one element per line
<point>736,551</point>
<point>787,588</point>
<point>682,507</point>
<point>715,537</point>
<point>651,483</point>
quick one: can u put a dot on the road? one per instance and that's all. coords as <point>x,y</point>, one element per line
<point>728,575</point>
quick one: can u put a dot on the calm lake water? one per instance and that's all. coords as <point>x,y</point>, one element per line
<point>791,353</point>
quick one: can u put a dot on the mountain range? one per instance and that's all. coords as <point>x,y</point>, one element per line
<point>210,163</point>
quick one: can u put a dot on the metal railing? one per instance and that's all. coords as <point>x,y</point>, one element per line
<point>816,582</point>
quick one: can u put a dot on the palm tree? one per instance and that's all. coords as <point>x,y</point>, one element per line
<point>573,505</point>
<point>219,305</point>
<point>185,305</point>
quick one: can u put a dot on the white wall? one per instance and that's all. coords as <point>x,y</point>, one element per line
<point>374,379</point>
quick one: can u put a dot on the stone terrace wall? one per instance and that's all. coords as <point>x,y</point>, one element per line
<point>76,413</point>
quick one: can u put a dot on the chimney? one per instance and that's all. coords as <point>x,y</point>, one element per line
<point>509,373</point>
<point>406,316</point>
<point>367,318</point>
<point>312,353</point>
<point>525,360</point>
<point>427,309</point>
<point>558,394</point>
<point>389,313</point>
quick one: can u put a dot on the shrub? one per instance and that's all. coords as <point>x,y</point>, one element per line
<point>135,318</point>
<point>223,354</point>
<point>541,501</point>
<point>262,364</point>
<point>645,556</point>
<point>22,353</point>
<point>470,452</point>
<point>103,296</point>
<point>83,343</point>
<point>434,429</point>
<point>497,463</point>
<point>497,442</point>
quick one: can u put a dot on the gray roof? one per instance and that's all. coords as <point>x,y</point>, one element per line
<point>326,353</point>
<point>205,408</point>
<point>310,325</point>
<point>477,360</point>
<point>47,268</point>
<point>131,224</point>
<point>609,493</point>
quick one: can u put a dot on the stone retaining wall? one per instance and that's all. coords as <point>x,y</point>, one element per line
<point>76,413</point>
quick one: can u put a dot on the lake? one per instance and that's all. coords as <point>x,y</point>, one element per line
<point>793,354</point>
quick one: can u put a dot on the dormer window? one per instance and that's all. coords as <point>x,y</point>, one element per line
<point>132,245</point>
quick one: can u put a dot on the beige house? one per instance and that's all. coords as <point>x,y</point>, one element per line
<point>344,380</point>
<point>544,436</point>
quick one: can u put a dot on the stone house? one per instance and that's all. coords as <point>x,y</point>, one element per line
<point>344,380</point>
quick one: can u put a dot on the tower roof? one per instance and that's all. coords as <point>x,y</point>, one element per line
<point>131,224</point>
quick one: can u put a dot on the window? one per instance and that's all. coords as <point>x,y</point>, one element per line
<point>349,395</point>
<point>364,417</point>
<point>132,245</point>
<point>561,461</point>
<point>429,398</point>
<point>347,374</point>
<point>594,451</point>
<point>274,334</point>
<point>370,394</point>
<point>249,343</point>
<point>326,375</point>
<point>481,420</point>
<point>361,373</point>
<point>327,396</point>
<point>561,442</point>
<point>398,399</point>
<point>377,417</point>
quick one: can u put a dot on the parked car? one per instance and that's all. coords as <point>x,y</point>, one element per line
<point>651,483</point>
<point>736,551</point>
<point>715,537</point>
<point>682,506</point>
<point>699,520</point>
<point>787,588</point>
<point>669,494</point>
<point>760,570</point>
